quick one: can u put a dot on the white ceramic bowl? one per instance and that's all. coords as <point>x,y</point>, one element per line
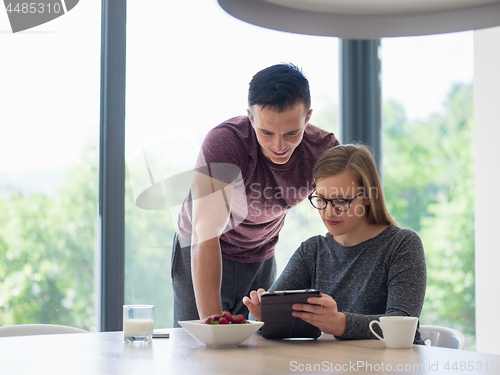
<point>220,335</point>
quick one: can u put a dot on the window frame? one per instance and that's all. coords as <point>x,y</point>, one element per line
<point>112,166</point>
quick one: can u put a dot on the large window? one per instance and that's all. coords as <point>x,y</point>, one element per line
<point>188,69</point>
<point>429,165</point>
<point>49,169</point>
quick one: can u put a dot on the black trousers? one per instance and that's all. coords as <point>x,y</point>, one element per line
<point>238,280</point>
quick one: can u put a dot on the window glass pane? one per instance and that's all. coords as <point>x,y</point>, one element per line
<point>429,165</point>
<point>48,169</point>
<point>188,69</point>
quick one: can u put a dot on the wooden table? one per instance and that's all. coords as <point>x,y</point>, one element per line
<point>107,353</point>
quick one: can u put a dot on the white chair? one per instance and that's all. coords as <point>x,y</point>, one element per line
<point>442,336</point>
<point>37,329</point>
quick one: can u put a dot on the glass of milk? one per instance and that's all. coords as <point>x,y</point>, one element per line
<point>138,322</point>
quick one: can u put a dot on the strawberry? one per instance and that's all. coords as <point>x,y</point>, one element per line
<point>213,319</point>
<point>223,320</point>
<point>228,316</point>
<point>238,319</point>
<point>210,320</point>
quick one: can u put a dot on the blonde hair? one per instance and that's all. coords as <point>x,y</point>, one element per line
<point>358,160</point>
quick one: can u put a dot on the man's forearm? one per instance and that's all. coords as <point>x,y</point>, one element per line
<point>211,210</point>
<point>206,269</point>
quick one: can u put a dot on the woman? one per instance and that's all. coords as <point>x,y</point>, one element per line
<point>365,266</point>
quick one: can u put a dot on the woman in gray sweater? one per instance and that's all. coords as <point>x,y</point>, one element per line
<point>365,266</point>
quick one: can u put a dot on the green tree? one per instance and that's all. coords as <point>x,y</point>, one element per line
<point>149,234</point>
<point>429,185</point>
<point>47,247</point>
<point>148,240</point>
<point>449,235</point>
<point>411,172</point>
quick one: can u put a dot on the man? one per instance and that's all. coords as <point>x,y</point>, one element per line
<point>250,172</point>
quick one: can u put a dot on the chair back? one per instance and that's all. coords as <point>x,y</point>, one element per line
<point>442,336</point>
<point>37,329</point>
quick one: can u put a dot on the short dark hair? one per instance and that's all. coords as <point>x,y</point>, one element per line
<point>279,86</point>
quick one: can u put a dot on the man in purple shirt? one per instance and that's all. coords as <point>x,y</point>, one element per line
<point>250,172</point>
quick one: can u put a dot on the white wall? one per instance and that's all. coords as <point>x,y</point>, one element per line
<point>487,187</point>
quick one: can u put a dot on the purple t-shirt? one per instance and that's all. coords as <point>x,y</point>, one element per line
<point>263,193</point>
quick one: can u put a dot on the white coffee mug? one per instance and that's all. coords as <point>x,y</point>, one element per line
<point>399,331</point>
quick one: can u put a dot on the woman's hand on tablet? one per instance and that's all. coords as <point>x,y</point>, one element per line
<point>253,303</point>
<point>321,312</point>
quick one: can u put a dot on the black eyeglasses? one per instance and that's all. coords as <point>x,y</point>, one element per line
<point>340,204</point>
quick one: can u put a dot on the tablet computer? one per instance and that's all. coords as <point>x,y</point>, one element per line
<point>276,313</point>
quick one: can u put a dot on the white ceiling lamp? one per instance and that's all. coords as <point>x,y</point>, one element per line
<point>367,19</point>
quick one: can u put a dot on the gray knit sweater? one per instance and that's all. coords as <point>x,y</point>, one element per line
<point>385,275</point>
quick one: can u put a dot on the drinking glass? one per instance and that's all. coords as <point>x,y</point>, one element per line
<point>138,323</point>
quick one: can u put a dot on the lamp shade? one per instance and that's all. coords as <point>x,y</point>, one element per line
<point>366,19</point>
